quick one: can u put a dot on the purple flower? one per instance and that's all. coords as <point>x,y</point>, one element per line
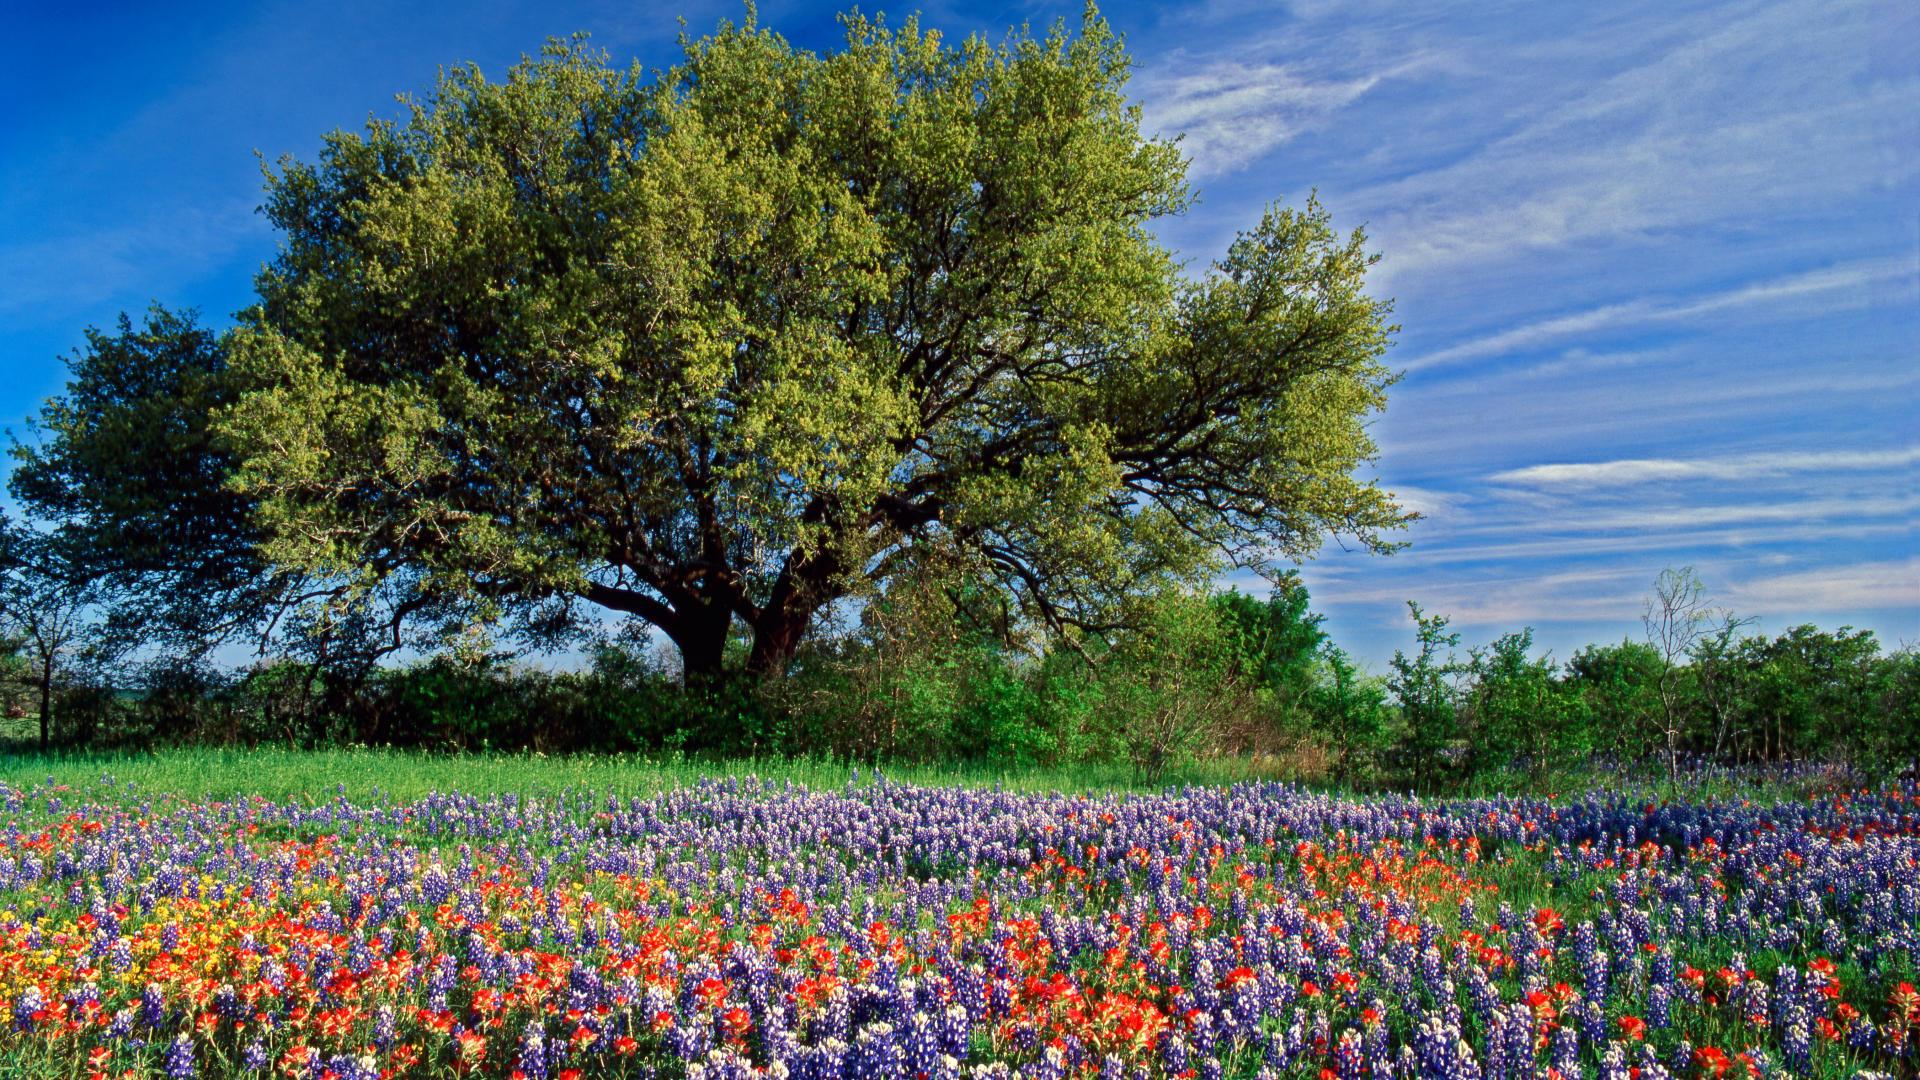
<point>179,1062</point>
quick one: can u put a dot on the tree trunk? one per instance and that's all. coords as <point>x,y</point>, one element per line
<point>701,638</point>
<point>46,703</point>
<point>776,638</point>
<point>803,588</point>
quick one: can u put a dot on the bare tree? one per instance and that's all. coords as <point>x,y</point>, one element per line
<point>1676,617</point>
<point>44,604</point>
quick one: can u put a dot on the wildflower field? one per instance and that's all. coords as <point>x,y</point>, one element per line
<point>739,926</point>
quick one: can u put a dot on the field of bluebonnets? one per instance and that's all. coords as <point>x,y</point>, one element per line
<point>734,926</point>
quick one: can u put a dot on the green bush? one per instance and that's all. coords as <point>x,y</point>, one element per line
<point>1423,688</point>
<point>1519,713</point>
<point>1002,719</point>
<point>939,673</point>
<point>1893,728</point>
<point>1349,711</point>
<point>1171,686</point>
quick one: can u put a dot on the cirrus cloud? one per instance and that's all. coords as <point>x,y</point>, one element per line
<point>1630,471</point>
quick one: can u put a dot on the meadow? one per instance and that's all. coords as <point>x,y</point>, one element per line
<point>362,914</point>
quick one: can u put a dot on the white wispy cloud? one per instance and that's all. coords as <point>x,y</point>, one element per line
<point>1858,283</point>
<point>1508,601</point>
<point>1695,539</point>
<point>1702,119</point>
<point>1533,422</point>
<point>1581,360</point>
<point>1692,518</point>
<point>1230,111</point>
<point>1876,585</point>
<point>1429,503</point>
<point>1575,512</point>
<point>117,263</point>
<point>1631,471</point>
<point>1748,585</point>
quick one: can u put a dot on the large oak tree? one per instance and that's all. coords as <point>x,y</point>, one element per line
<point>719,346</point>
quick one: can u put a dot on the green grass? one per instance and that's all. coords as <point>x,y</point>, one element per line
<point>358,773</point>
<point>308,775</point>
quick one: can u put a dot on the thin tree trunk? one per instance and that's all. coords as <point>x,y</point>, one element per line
<point>46,703</point>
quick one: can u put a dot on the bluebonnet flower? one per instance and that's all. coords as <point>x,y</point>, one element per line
<point>179,1062</point>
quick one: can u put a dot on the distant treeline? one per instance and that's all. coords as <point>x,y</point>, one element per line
<point>922,678</point>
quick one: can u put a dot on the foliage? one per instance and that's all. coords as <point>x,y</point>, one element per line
<point>129,469</point>
<point>897,686</point>
<point>15,675</point>
<point>1891,723</point>
<point>1791,695</point>
<point>1278,645</point>
<point>1350,709</point>
<point>1620,685</point>
<point>1520,712</point>
<point>1170,686</point>
<point>1813,689</point>
<point>938,669</point>
<point>1423,688</point>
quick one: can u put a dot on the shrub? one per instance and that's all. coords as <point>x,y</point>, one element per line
<point>1169,687</point>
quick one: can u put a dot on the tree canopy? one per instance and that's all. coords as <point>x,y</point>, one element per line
<point>132,485</point>
<point>129,471</point>
<point>719,346</point>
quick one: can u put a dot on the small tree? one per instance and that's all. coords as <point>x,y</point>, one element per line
<point>1812,690</point>
<point>1520,710</point>
<point>125,461</point>
<point>1350,709</point>
<point>1171,684</point>
<point>1676,617</point>
<point>1278,645</point>
<point>1895,744</point>
<point>1619,685</point>
<point>1724,668</point>
<point>1422,686</point>
<point>44,603</point>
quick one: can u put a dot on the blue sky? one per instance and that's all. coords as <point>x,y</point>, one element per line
<point>1657,264</point>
